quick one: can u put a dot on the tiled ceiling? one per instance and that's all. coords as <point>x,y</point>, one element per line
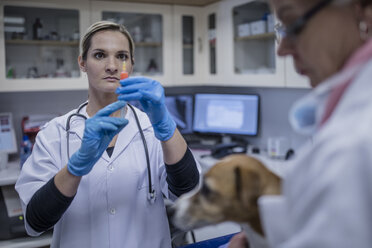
<point>178,2</point>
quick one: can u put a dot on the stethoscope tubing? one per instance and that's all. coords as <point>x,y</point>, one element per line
<point>151,194</point>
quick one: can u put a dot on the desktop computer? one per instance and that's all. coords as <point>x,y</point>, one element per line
<point>181,109</point>
<point>226,115</point>
<point>11,217</point>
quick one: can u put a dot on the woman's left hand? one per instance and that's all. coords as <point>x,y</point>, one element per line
<point>150,94</point>
<point>238,241</point>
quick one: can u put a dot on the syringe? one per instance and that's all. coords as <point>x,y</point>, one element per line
<point>124,73</point>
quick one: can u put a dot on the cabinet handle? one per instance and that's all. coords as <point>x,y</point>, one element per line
<point>200,46</point>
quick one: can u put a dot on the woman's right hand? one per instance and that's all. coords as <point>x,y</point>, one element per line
<point>98,133</point>
<point>150,94</point>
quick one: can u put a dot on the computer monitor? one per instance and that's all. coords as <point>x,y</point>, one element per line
<point>8,142</point>
<point>181,109</point>
<point>226,114</point>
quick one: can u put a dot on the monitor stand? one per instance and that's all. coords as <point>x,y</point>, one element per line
<point>226,139</point>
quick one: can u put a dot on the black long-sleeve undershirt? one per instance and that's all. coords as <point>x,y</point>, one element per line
<point>182,176</point>
<point>46,207</point>
<point>48,204</point>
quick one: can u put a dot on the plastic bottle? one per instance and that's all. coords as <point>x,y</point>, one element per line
<point>26,149</point>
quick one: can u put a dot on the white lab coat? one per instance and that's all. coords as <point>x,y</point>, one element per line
<point>327,195</point>
<point>110,208</point>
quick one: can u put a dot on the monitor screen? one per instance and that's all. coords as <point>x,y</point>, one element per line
<point>226,114</point>
<point>180,108</point>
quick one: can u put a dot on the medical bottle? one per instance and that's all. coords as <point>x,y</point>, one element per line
<point>36,29</point>
<point>26,148</point>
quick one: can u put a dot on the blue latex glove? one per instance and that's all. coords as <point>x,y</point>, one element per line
<point>98,133</point>
<point>151,96</point>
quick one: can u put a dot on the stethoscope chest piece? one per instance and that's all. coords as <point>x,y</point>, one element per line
<point>151,197</point>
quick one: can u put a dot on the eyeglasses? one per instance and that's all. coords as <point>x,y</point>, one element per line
<point>292,31</point>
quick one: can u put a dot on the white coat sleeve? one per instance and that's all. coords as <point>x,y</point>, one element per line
<point>40,167</point>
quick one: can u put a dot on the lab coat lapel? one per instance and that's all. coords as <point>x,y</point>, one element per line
<point>129,132</point>
<point>77,126</point>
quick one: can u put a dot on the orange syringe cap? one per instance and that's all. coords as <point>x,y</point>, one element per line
<point>124,74</point>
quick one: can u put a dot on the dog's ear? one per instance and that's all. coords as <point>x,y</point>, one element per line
<point>247,186</point>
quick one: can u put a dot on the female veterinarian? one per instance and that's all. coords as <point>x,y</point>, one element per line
<point>97,174</point>
<point>326,197</point>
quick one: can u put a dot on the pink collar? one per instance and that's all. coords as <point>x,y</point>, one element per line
<point>361,56</point>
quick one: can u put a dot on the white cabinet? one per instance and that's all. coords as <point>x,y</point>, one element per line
<point>39,44</point>
<point>228,43</point>
<point>211,44</point>
<point>151,28</point>
<point>188,47</point>
<point>246,48</point>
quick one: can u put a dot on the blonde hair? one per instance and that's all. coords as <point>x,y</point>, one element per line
<point>105,25</point>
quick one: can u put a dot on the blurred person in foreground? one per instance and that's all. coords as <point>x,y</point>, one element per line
<point>326,196</point>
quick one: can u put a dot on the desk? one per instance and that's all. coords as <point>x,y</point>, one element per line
<point>211,243</point>
<point>28,242</point>
<point>10,175</point>
<point>277,166</point>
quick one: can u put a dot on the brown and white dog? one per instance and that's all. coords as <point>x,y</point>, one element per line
<point>229,192</point>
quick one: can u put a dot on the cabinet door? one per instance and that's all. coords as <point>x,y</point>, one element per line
<point>247,55</point>
<point>211,43</point>
<point>293,79</point>
<point>39,45</point>
<point>150,26</point>
<point>189,48</point>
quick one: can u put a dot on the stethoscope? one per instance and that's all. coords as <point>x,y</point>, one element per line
<point>151,196</point>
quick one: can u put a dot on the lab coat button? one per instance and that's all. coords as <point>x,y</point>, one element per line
<point>112,211</point>
<point>110,168</point>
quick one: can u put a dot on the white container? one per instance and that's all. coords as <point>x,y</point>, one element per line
<point>244,29</point>
<point>212,34</point>
<point>277,147</point>
<point>270,23</point>
<point>258,27</point>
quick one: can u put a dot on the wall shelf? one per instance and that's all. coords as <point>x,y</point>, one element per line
<point>147,44</point>
<point>256,37</point>
<point>42,42</point>
<point>188,46</point>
